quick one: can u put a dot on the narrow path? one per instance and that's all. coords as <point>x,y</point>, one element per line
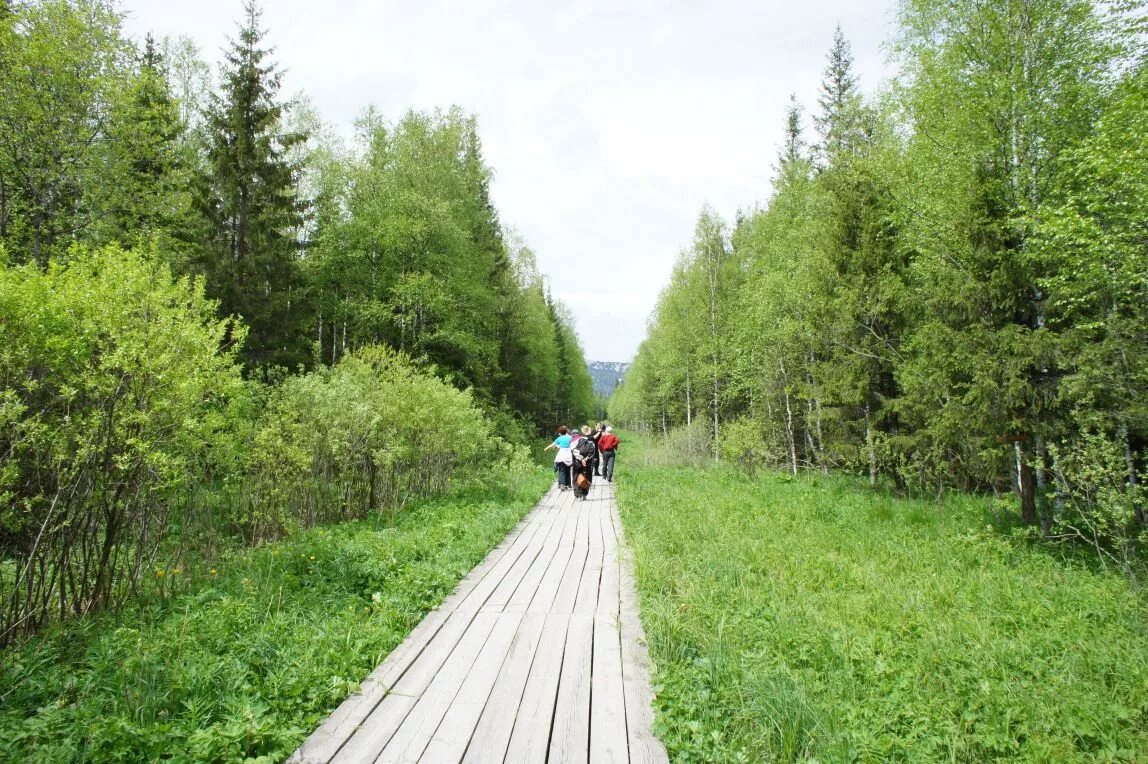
<point>537,656</point>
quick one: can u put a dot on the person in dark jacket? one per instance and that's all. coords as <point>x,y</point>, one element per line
<point>599,431</point>
<point>584,453</point>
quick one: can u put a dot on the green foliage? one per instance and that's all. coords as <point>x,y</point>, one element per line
<point>113,388</point>
<point>62,75</point>
<point>370,433</point>
<point>125,425</point>
<point>253,651</point>
<point>409,252</point>
<point>949,291</point>
<point>810,619</point>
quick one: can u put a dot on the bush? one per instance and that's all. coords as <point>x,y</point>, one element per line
<point>1098,503</point>
<point>372,432</point>
<point>690,446</point>
<point>112,389</point>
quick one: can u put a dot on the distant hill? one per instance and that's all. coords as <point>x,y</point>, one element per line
<point>606,374</point>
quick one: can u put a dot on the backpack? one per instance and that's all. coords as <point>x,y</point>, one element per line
<point>586,449</point>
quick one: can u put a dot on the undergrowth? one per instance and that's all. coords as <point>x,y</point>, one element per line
<point>244,661</point>
<point>812,619</point>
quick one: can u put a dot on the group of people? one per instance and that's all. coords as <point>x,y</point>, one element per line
<point>583,454</point>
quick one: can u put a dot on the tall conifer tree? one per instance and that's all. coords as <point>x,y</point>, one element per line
<point>837,121</point>
<point>248,198</point>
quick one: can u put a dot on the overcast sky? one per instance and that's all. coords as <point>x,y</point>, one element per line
<point>608,124</point>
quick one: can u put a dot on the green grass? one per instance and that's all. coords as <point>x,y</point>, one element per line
<point>243,664</point>
<point>812,619</point>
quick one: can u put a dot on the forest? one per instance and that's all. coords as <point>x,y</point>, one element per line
<point>947,287</point>
<point>220,322</point>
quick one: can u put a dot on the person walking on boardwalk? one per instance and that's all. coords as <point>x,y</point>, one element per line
<point>607,448</point>
<point>584,453</point>
<point>599,430</point>
<point>563,458</point>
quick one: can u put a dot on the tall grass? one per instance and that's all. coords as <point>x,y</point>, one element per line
<point>243,660</point>
<point>812,619</point>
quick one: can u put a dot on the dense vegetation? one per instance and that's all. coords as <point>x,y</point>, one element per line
<point>241,660</point>
<point>812,619</point>
<point>218,325</point>
<point>947,285</point>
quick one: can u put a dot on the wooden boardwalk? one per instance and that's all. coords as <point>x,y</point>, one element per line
<point>537,656</point>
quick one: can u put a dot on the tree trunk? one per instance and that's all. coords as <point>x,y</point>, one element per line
<point>689,402</point>
<point>789,439</point>
<point>1025,485</point>
<point>870,448</point>
<point>1139,511</point>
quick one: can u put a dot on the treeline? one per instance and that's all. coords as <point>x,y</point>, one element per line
<point>948,285</point>
<point>217,323</point>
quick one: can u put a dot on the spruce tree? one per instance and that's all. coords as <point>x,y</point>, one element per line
<point>794,148</point>
<point>838,120</point>
<point>253,214</point>
<point>145,195</point>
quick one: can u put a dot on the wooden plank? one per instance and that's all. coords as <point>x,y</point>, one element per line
<point>321,745</point>
<point>570,733</point>
<point>412,737</point>
<point>530,738</point>
<point>492,734</point>
<point>370,738</point>
<point>482,591</point>
<point>534,577</point>
<point>547,590</point>
<point>587,597</point>
<point>607,699</point>
<point>567,593</point>
<point>644,747</point>
<point>422,672</point>
<point>532,556</point>
<point>453,734</point>
<point>609,592</point>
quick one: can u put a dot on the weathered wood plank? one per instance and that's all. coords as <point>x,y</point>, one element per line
<point>376,730</point>
<point>644,747</point>
<point>453,734</point>
<point>492,734</point>
<point>607,700</point>
<point>570,733</point>
<point>530,738</point>
<point>587,597</point>
<point>422,672</point>
<point>534,556</point>
<point>567,593</point>
<point>532,580</point>
<point>547,590</point>
<point>333,733</point>
<point>609,591</point>
<point>416,731</point>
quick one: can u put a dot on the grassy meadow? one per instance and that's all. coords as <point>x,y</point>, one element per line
<point>240,661</point>
<point>812,619</point>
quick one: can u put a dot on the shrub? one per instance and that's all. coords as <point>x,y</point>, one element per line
<point>1098,502</point>
<point>373,432</point>
<point>112,386</point>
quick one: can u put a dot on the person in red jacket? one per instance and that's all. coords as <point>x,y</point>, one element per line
<point>607,447</point>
